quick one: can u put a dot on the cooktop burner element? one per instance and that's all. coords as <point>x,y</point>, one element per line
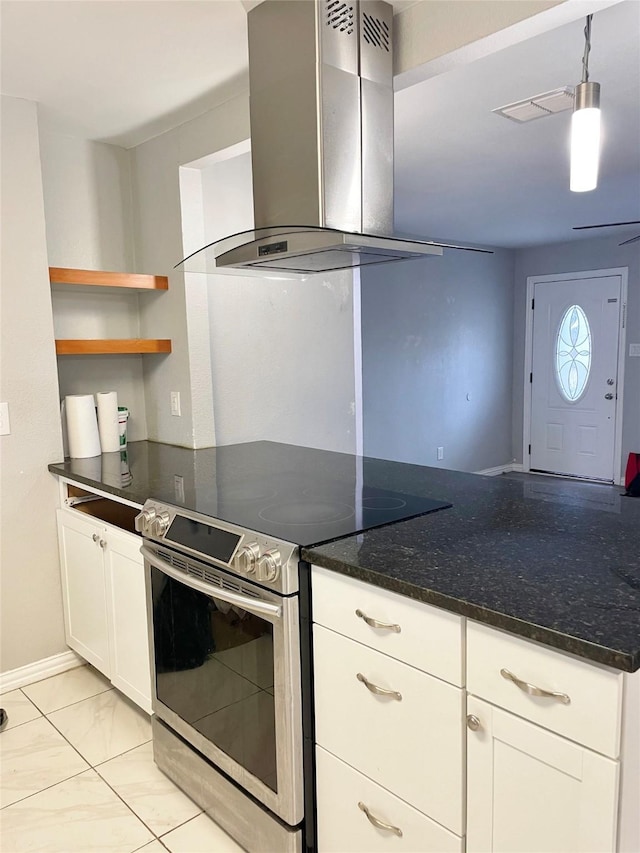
<point>307,512</point>
<point>383,503</point>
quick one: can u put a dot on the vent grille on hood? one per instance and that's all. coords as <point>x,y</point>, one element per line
<point>375,32</point>
<point>340,16</point>
<point>321,109</point>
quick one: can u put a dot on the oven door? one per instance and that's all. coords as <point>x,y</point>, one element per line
<point>226,674</point>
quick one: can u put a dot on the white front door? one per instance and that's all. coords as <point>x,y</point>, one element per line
<point>574,378</point>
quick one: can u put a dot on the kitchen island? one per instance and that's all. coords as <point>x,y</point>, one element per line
<point>490,639</point>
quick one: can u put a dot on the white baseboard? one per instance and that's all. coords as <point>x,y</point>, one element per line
<point>500,469</point>
<point>39,670</point>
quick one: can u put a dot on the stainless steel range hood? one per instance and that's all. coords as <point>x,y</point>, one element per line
<point>321,109</point>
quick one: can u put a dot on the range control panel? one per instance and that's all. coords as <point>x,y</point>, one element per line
<point>267,561</point>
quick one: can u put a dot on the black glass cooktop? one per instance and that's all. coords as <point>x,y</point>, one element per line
<point>302,495</point>
<point>299,494</point>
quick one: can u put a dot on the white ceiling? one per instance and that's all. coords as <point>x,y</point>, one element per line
<point>123,71</point>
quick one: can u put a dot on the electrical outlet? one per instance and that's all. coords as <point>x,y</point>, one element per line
<point>5,426</point>
<point>440,453</point>
<point>175,404</point>
<point>178,487</point>
<point>634,350</point>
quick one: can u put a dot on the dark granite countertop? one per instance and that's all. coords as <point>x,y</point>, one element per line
<point>554,562</point>
<point>548,561</point>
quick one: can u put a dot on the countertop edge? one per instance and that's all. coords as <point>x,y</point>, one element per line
<point>57,469</point>
<point>583,649</point>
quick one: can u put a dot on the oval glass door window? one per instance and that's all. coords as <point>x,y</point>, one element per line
<point>573,353</point>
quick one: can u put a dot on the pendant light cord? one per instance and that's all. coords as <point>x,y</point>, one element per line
<point>587,50</point>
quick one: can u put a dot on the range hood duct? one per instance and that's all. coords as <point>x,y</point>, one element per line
<point>321,110</point>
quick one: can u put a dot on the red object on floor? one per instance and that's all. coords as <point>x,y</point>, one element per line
<point>632,475</point>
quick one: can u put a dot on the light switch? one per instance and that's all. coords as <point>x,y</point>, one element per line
<point>5,426</point>
<point>634,350</point>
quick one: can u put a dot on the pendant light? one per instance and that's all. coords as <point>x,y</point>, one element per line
<point>585,126</point>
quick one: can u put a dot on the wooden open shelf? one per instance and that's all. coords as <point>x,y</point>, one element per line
<point>113,346</point>
<point>84,278</point>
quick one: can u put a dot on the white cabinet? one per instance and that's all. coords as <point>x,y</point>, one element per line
<point>550,752</point>
<point>83,589</point>
<point>529,790</point>
<point>389,716</point>
<point>543,748</point>
<point>104,601</point>
<point>127,613</point>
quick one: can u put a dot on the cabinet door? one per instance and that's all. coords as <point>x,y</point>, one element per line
<point>129,642</point>
<point>83,588</point>
<point>531,791</point>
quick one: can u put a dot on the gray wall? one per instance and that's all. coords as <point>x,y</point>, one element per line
<point>601,253</point>
<point>31,601</point>
<point>433,332</point>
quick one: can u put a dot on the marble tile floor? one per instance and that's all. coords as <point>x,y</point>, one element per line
<point>77,776</point>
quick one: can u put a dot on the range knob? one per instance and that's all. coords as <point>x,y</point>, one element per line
<point>160,524</point>
<point>143,520</point>
<point>247,558</point>
<point>268,567</point>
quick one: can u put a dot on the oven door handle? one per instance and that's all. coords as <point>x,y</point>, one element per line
<point>260,608</point>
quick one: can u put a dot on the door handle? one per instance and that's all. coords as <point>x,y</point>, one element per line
<point>608,396</point>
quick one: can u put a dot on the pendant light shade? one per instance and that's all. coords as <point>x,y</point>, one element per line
<point>585,126</point>
<point>585,138</point>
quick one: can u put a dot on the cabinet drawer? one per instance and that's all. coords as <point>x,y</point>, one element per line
<point>411,743</point>
<point>592,714</point>
<point>343,826</point>
<point>429,638</point>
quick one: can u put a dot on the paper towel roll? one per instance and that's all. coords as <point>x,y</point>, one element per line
<point>108,421</point>
<point>82,426</point>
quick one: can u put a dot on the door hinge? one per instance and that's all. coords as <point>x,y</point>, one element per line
<point>624,314</point>
<point>533,304</point>
<point>531,377</point>
<point>529,450</point>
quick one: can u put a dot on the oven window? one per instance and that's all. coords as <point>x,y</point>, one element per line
<point>214,668</point>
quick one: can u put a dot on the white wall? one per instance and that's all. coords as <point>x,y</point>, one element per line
<point>31,604</point>
<point>433,332</point>
<point>595,254</point>
<point>88,212</point>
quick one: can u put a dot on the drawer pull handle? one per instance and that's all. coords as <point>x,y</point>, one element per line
<point>532,690</point>
<point>379,824</point>
<point>373,623</point>
<point>379,691</point>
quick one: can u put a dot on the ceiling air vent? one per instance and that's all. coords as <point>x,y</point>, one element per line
<point>546,104</point>
<point>339,16</point>
<point>375,32</point>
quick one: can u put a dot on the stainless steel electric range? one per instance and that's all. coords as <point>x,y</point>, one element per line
<point>229,614</point>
